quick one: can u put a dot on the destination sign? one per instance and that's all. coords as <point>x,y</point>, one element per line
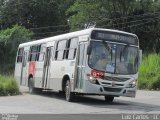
<point>115,37</point>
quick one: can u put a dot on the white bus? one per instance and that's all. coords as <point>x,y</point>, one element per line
<point>94,61</point>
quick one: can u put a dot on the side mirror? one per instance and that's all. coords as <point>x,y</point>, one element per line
<point>140,56</point>
<point>89,49</point>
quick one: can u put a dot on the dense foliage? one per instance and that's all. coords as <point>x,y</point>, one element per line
<point>51,17</point>
<point>137,16</point>
<point>10,38</point>
<point>35,14</point>
<point>149,75</point>
<point>8,86</point>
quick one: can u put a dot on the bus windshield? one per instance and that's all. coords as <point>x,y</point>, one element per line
<point>113,58</point>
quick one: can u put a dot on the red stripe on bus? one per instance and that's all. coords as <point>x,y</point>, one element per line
<point>31,69</point>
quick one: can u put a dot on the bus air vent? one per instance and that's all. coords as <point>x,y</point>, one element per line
<point>115,79</point>
<point>112,89</point>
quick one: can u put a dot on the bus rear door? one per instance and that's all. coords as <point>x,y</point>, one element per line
<point>24,76</point>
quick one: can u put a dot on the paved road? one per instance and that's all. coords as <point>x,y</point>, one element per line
<point>54,103</point>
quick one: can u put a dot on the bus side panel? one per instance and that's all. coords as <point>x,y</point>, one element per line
<point>57,70</point>
<point>62,68</point>
<point>38,75</point>
<point>27,73</point>
<point>21,69</point>
<point>17,73</point>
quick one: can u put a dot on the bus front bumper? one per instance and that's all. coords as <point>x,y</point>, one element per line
<point>91,88</point>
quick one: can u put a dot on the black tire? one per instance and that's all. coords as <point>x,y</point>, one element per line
<point>31,87</point>
<point>61,92</point>
<point>109,99</point>
<point>68,94</point>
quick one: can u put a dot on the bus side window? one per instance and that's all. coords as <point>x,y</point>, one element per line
<point>60,50</point>
<point>20,55</point>
<point>29,55</point>
<point>71,48</point>
<point>38,52</point>
<point>33,53</point>
<point>41,53</point>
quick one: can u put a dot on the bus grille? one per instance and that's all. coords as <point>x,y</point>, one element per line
<point>104,83</point>
<point>112,89</point>
<point>116,79</point>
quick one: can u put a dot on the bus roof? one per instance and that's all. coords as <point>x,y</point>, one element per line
<point>70,35</point>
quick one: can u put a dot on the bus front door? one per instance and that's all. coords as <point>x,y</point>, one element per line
<point>46,66</point>
<point>24,69</point>
<point>80,66</point>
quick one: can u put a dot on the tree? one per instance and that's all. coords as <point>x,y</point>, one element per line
<point>9,40</point>
<point>98,11</point>
<point>137,16</point>
<point>83,12</point>
<point>35,14</point>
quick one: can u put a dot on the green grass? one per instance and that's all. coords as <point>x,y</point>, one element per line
<point>8,86</point>
<point>149,72</point>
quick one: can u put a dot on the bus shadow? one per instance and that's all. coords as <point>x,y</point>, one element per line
<point>118,104</point>
<point>98,102</point>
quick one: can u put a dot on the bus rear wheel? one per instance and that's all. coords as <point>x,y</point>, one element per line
<point>32,89</point>
<point>30,85</point>
<point>109,99</point>
<point>68,94</point>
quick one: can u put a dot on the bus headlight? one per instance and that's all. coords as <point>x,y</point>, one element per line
<point>132,84</point>
<point>92,79</point>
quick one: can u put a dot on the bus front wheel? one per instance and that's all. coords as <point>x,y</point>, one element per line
<point>109,99</point>
<point>68,94</point>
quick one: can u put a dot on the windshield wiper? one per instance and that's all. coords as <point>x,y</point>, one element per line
<point>107,47</point>
<point>123,51</point>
